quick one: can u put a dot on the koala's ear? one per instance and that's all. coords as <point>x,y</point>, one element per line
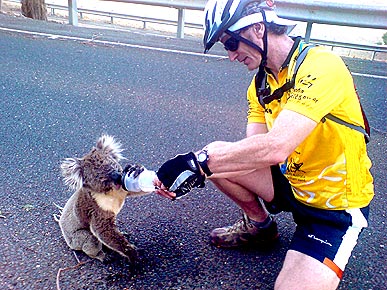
<point>110,146</point>
<point>72,172</point>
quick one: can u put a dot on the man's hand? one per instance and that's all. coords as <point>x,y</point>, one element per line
<point>181,173</point>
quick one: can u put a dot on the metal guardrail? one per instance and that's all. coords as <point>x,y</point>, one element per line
<point>180,5</point>
<point>112,15</point>
<point>334,13</point>
<point>331,13</point>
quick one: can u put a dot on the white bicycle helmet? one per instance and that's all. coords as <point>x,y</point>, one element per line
<point>223,15</point>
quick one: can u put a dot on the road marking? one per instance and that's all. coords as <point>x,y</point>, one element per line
<point>55,36</point>
<point>370,76</point>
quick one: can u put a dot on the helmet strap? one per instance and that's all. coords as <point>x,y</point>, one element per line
<point>264,50</point>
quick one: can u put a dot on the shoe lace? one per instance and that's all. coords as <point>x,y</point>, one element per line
<point>243,224</point>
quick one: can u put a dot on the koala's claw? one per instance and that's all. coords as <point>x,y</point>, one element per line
<point>132,255</point>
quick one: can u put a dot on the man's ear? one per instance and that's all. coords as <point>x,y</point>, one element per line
<point>259,29</point>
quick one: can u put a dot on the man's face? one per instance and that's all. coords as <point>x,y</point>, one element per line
<point>244,53</point>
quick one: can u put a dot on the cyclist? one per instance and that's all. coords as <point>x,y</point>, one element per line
<point>296,156</point>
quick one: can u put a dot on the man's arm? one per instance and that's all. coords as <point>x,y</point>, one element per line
<point>251,129</point>
<point>254,152</point>
<point>261,150</point>
<point>255,128</point>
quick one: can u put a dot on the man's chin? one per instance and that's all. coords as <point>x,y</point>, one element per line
<point>250,65</point>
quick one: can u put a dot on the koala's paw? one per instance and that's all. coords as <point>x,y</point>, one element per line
<point>131,253</point>
<point>100,256</point>
<point>134,169</point>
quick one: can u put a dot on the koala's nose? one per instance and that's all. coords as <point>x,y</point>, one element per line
<point>116,177</point>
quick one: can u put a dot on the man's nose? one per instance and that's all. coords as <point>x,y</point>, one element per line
<point>232,55</point>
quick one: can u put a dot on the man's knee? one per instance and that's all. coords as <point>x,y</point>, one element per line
<point>302,272</point>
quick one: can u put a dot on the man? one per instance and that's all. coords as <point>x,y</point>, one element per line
<point>296,156</point>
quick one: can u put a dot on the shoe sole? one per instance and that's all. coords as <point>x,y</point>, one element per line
<point>261,243</point>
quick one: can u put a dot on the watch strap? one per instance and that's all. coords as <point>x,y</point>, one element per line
<point>204,165</point>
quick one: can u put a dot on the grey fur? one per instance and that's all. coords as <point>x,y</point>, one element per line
<point>88,219</point>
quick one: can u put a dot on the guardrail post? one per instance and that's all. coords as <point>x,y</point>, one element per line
<point>1,5</point>
<point>180,23</point>
<point>73,12</point>
<point>308,31</point>
<point>373,55</point>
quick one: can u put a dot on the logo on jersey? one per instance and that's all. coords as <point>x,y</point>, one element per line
<point>307,81</point>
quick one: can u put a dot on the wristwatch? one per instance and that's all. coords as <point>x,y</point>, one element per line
<point>202,159</point>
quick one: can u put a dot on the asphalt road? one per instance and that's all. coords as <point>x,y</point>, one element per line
<point>58,95</point>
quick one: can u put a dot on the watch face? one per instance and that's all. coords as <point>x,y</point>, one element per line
<point>202,156</point>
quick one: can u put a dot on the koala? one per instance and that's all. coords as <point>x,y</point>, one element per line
<point>88,219</point>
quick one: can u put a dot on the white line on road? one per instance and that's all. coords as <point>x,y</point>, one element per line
<point>56,36</point>
<point>370,76</point>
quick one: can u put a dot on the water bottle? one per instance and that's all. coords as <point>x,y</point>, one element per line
<point>143,182</point>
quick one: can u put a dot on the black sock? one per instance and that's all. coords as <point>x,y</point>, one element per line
<point>263,224</point>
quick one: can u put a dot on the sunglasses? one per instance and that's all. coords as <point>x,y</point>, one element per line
<point>231,44</point>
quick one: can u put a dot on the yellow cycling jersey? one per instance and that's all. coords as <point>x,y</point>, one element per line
<point>330,169</point>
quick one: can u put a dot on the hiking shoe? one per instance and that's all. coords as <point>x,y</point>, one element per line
<point>243,232</point>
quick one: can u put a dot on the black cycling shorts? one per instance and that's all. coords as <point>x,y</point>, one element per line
<point>326,235</point>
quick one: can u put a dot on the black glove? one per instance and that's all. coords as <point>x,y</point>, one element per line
<point>181,173</point>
